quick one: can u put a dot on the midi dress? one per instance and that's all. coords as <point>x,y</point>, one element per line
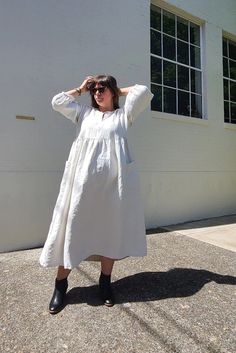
<point>99,210</point>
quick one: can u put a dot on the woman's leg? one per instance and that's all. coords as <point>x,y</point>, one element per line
<point>107,265</point>
<point>61,284</point>
<point>62,273</point>
<point>105,281</point>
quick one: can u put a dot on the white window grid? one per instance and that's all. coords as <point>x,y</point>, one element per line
<point>179,63</point>
<point>226,77</point>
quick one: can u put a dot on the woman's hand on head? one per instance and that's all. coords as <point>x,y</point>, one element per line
<point>119,92</point>
<point>124,91</point>
<point>85,83</point>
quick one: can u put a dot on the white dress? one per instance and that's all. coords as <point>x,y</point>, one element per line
<point>98,210</point>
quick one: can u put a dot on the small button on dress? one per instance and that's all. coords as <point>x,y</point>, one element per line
<point>98,211</point>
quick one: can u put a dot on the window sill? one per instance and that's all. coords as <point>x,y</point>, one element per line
<point>179,118</point>
<point>230,126</point>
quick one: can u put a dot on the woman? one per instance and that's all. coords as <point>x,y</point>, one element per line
<point>98,209</point>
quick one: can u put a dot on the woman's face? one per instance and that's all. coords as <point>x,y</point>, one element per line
<point>103,97</point>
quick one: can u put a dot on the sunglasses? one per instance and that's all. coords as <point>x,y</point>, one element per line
<point>100,90</point>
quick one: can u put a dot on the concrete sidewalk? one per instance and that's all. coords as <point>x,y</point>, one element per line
<point>220,231</point>
<point>180,298</point>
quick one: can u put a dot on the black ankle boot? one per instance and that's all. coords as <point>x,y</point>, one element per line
<point>57,301</point>
<point>106,293</point>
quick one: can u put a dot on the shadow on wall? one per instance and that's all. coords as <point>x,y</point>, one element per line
<point>150,286</point>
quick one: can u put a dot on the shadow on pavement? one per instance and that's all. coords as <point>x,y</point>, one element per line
<point>150,286</point>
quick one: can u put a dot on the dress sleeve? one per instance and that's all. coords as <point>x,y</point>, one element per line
<point>66,105</point>
<point>137,100</point>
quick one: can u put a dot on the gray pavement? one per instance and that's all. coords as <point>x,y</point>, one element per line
<point>180,298</point>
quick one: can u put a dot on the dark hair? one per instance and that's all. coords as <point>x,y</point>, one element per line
<point>105,81</point>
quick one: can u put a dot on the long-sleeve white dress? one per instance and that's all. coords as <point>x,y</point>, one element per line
<point>99,209</point>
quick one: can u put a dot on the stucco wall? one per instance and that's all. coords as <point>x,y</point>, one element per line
<point>187,167</point>
<point>193,174</point>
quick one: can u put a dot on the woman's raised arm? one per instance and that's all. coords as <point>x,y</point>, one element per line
<point>65,103</point>
<point>137,100</point>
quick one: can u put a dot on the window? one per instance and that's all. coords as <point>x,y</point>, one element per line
<point>176,74</point>
<point>229,80</point>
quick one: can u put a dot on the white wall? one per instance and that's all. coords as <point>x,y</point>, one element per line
<point>187,167</point>
<point>48,46</point>
<point>193,174</point>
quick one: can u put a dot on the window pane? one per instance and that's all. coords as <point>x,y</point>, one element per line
<point>225,67</point>
<point>232,91</point>
<point>155,42</point>
<point>183,103</point>
<point>155,17</point>
<point>169,47</point>
<point>194,34</point>
<point>156,103</point>
<point>156,71</point>
<point>168,23</point>
<point>233,113</point>
<point>225,52</point>
<point>196,81</point>
<point>182,29</point>
<point>195,56</point>
<point>226,89</point>
<point>169,100</point>
<point>169,74</point>
<point>196,106</point>
<point>182,52</point>
<point>232,69</point>
<point>226,111</point>
<point>232,50</point>
<point>183,77</point>
<point>226,120</point>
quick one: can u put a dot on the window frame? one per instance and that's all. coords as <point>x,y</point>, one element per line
<point>228,38</point>
<point>190,18</point>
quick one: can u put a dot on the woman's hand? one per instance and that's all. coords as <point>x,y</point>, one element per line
<point>84,84</point>
<point>75,92</point>
<point>124,91</point>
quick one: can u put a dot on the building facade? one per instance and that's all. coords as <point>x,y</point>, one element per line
<point>185,144</point>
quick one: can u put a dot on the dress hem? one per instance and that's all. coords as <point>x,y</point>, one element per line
<point>47,265</point>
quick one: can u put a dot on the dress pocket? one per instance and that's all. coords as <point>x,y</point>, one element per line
<point>130,178</point>
<point>130,165</point>
<point>102,165</point>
